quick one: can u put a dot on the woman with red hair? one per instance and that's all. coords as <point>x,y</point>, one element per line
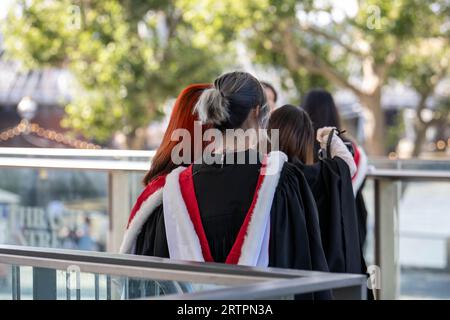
<point>182,117</point>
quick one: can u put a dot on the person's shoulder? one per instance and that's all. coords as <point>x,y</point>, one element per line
<point>291,169</point>
<point>276,163</point>
<point>156,183</point>
<point>147,202</point>
<point>292,175</point>
<point>150,193</point>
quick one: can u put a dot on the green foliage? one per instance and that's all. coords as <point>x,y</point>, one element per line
<point>423,64</point>
<point>256,24</point>
<point>127,56</point>
<point>309,46</point>
<point>128,64</point>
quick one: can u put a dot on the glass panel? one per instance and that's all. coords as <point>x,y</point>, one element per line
<point>54,208</point>
<point>71,285</point>
<point>424,240</point>
<point>139,288</point>
<point>5,282</point>
<point>136,185</point>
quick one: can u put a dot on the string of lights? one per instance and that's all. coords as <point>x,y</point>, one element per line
<point>24,127</point>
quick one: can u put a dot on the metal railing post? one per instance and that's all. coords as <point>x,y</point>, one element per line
<point>97,286</point>
<point>386,238</point>
<point>15,285</point>
<point>108,287</point>
<point>68,291</point>
<point>44,284</point>
<point>119,208</point>
<point>447,252</point>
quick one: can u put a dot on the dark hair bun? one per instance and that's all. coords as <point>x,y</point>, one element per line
<point>229,102</point>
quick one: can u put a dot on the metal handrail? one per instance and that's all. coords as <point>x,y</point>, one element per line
<point>62,152</point>
<point>409,161</point>
<point>403,174</point>
<point>270,289</point>
<point>74,164</point>
<point>117,164</point>
<point>46,256</point>
<point>119,153</point>
<point>135,266</point>
<point>248,282</point>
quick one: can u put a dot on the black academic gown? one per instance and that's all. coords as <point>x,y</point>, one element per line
<point>331,186</point>
<point>224,194</point>
<point>360,205</point>
<point>342,225</point>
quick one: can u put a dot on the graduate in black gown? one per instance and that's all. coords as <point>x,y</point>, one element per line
<point>320,106</point>
<point>330,183</point>
<point>239,209</point>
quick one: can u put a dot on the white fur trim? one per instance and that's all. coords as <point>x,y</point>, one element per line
<point>263,259</point>
<point>141,216</point>
<point>361,171</point>
<point>255,249</point>
<point>339,149</point>
<point>182,239</point>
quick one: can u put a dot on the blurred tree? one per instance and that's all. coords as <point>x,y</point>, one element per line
<point>423,66</point>
<point>356,51</point>
<point>127,56</point>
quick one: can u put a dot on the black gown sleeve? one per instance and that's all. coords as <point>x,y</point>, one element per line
<point>152,240</point>
<point>362,215</point>
<point>295,240</point>
<point>332,189</point>
<point>345,201</point>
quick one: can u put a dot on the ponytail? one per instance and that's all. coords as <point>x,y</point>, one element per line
<point>228,103</point>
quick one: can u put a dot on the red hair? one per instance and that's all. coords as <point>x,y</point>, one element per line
<point>182,117</point>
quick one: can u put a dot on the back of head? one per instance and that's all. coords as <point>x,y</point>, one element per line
<point>228,103</point>
<point>296,134</point>
<point>182,117</point>
<point>271,94</point>
<point>269,86</point>
<point>320,106</point>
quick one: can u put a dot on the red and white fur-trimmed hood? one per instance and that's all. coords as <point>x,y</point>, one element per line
<point>146,203</point>
<point>361,162</point>
<point>252,246</point>
<point>185,235</point>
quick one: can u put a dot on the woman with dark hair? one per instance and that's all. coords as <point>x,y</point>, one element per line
<point>271,95</point>
<point>322,110</point>
<point>330,183</point>
<point>295,132</point>
<point>256,214</point>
